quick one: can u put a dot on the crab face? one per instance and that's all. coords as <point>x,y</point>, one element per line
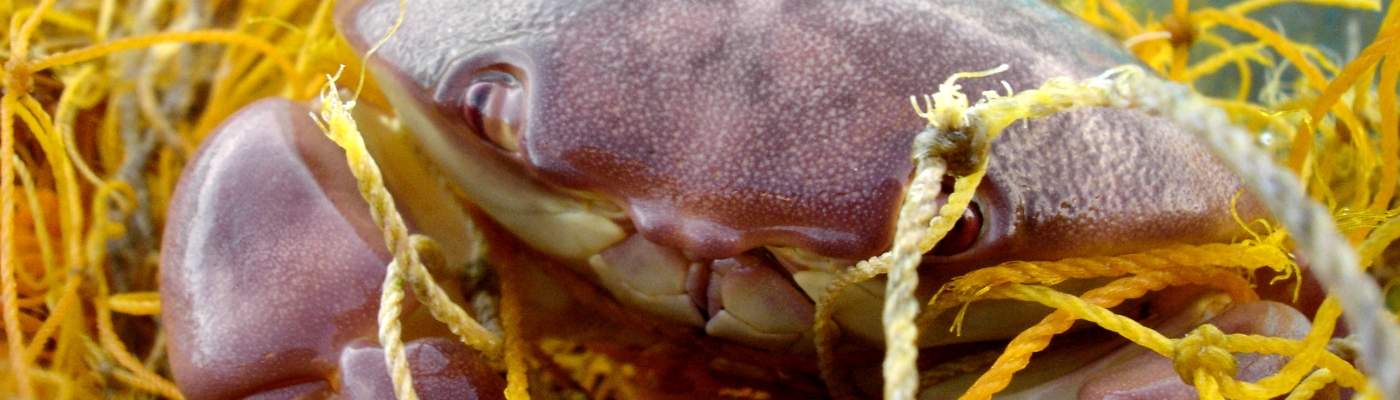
<point>714,134</point>
<point>715,164</point>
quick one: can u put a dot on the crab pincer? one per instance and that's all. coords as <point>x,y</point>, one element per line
<point>271,272</point>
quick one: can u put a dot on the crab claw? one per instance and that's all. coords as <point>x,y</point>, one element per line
<point>271,264</point>
<point>441,369</point>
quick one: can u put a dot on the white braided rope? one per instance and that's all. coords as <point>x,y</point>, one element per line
<point>1334,262</point>
<point>901,335</point>
<point>391,332</point>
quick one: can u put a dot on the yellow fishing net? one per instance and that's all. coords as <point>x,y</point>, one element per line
<point>105,101</point>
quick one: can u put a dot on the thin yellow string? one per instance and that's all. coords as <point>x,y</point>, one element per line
<point>827,332</point>
<point>101,230</point>
<point>135,42</point>
<point>1388,41</point>
<point>901,351</point>
<point>44,377</point>
<point>66,112</point>
<point>1309,387</point>
<point>13,336</point>
<point>517,381</point>
<point>1247,255</point>
<point>41,232</point>
<point>1081,309</point>
<point>66,305</point>
<point>135,303</point>
<point>1248,6</point>
<point>19,42</point>
<point>1036,338</point>
<point>1390,124</point>
<point>407,267</point>
<point>1231,54</point>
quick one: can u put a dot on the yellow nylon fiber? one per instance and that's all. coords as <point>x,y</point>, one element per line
<point>1245,255</point>
<point>1211,383</point>
<point>1196,355</point>
<point>76,171</point>
<point>407,266</point>
<point>1036,338</point>
<point>140,303</point>
<point>37,240</point>
<point>912,239</point>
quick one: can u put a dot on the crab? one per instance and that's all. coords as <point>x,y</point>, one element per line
<point>708,167</point>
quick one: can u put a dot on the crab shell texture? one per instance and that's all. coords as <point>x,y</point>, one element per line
<point>711,164</point>
<point>720,128</point>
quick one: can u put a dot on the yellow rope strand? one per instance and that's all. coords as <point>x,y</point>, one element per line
<point>1081,309</point>
<point>1203,357</point>
<point>441,306</point>
<point>1347,375</point>
<point>41,231</point>
<point>13,337</point>
<point>1311,226</point>
<point>148,383</point>
<point>137,303</point>
<point>1390,123</point>
<point>901,350</point>
<point>827,333</point>
<point>1246,255</point>
<point>1036,338</point>
<point>1313,230</point>
<point>66,112</point>
<point>69,204</point>
<point>517,382</point>
<point>1128,25</point>
<point>1386,42</point>
<point>135,42</point>
<point>1303,140</point>
<point>1232,54</point>
<point>920,226</point>
<point>336,122</point>
<point>1248,6</point>
<point>1309,387</point>
<point>71,230</point>
<point>67,304</point>
<point>101,230</point>
<point>70,370</point>
<point>19,43</point>
<point>1314,345</point>
<point>1370,250</point>
<point>391,333</point>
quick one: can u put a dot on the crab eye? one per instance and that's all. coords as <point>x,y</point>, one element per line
<point>963,235</point>
<point>492,106</point>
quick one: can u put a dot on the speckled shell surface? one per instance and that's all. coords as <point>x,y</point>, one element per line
<point>723,126</point>
<point>270,262</point>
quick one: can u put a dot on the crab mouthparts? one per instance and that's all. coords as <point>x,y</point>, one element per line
<point>750,298</point>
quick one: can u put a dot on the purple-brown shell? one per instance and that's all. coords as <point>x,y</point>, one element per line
<point>724,126</point>
<point>271,270</point>
<point>717,126</point>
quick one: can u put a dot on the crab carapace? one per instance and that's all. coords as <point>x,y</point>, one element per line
<point>711,164</point>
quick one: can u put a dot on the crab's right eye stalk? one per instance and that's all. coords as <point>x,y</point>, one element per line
<point>963,235</point>
<point>493,107</point>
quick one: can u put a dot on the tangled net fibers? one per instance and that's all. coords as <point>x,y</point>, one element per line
<point>105,101</point>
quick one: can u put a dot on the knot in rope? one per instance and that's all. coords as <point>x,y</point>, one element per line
<point>1199,352</point>
<point>19,75</point>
